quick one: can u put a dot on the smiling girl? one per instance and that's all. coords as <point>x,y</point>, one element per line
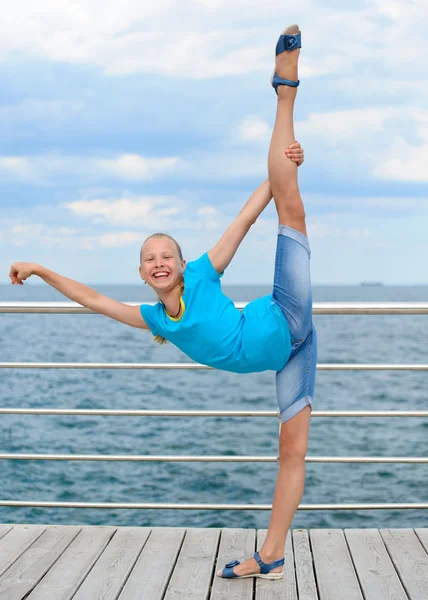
<point>274,332</point>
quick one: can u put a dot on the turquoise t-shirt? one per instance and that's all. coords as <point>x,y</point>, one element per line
<point>213,332</point>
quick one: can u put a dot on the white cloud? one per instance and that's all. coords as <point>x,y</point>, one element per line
<point>404,161</point>
<point>253,129</point>
<point>355,140</point>
<point>110,240</point>
<point>41,169</point>
<point>336,126</point>
<point>389,204</point>
<point>146,211</point>
<point>207,210</point>
<point>27,233</point>
<point>134,167</point>
<point>319,229</point>
<point>18,167</point>
<point>143,37</point>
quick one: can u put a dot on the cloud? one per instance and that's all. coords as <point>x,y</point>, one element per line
<point>337,126</point>
<point>404,161</point>
<point>360,142</point>
<point>148,211</point>
<point>18,167</point>
<point>207,210</point>
<point>133,167</point>
<point>24,232</point>
<point>110,240</point>
<point>143,37</point>
<point>41,169</point>
<point>253,129</point>
<point>392,206</point>
<point>319,229</point>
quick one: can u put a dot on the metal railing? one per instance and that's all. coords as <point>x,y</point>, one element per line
<point>320,308</point>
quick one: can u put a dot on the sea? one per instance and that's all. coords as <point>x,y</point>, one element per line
<point>94,338</point>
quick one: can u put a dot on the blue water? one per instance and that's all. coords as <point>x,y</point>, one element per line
<point>383,339</point>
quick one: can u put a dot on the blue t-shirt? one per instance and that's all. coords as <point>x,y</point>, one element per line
<point>213,332</point>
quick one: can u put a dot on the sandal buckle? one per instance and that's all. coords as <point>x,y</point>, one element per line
<point>232,564</point>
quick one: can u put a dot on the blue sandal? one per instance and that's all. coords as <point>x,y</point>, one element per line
<point>265,569</point>
<point>286,43</point>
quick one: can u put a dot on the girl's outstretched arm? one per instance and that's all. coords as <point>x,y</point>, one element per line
<point>86,296</point>
<point>228,244</point>
<point>226,247</point>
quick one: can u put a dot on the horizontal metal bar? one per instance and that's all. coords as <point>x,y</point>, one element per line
<point>89,412</point>
<point>319,308</point>
<point>164,506</point>
<point>214,458</point>
<point>207,413</point>
<point>197,366</point>
<point>74,365</point>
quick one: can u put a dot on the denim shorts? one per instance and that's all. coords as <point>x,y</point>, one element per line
<point>292,293</point>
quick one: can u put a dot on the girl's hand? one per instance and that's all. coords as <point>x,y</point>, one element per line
<point>295,153</point>
<point>20,271</point>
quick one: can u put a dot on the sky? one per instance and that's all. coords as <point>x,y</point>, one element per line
<point>119,119</point>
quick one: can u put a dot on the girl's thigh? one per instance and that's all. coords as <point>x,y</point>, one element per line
<point>292,290</point>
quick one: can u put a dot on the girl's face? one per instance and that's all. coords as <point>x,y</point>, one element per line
<point>160,264</point>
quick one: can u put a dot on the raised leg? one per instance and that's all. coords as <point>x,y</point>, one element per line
<point>282,170</point>
<point>293,439</point>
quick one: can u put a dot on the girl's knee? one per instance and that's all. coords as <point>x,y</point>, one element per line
<point>292,448</point>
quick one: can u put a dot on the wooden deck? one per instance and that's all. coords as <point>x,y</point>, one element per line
<point>39,562</point>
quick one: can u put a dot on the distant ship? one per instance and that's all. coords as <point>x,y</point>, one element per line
<point>371,283</point>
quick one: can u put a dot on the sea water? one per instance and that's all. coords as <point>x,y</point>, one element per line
<point>94,338</point>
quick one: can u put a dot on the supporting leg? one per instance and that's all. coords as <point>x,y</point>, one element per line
<point>293,444</point>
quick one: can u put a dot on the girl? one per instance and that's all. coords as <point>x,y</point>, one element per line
<point>274,332</point>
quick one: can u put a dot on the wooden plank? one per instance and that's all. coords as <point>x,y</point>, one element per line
<point>304,566</point>
<point>15,542</point>
<point>193,572</point>
<point>31,566</point>
<point>67,574</point>
<point>5,529</point>
<point>423,537</point>
<point>410,560</point>
<point>111,571</point>
<point>152,571</point>
<point>334,570</point>
<point>238,544</point>
<point>285,588</point>
<point>376,573</point>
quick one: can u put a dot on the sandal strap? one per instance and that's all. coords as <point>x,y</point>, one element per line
<point>264,567</point>
<point>276,81</point>
<point>286,43</point>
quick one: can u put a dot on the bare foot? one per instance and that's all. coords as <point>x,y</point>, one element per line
<point>251,566</point>
<point>286,62</point>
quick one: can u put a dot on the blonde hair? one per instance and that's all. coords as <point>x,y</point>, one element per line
<point>158,338</point>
